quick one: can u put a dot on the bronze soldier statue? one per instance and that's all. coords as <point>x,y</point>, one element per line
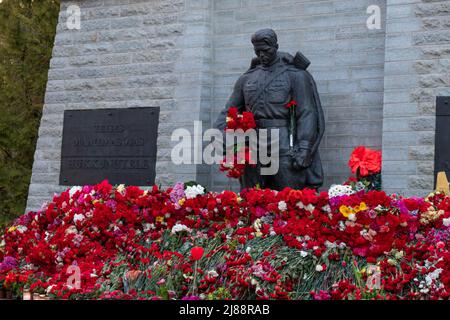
<point>273,80</point>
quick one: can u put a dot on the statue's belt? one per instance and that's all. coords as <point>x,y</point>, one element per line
<point>275,123</point>
<point>271,123</point>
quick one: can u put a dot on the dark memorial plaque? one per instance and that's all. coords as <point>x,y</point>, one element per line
<point>114,144</point>
<point>442,140</point>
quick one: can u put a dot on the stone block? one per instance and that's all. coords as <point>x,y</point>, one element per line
<point>421,153</point>
<point>423,124</point>
<point>432,9</point>
<point>421,182</point>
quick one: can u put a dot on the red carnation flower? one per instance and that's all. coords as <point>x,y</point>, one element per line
<point>236,121</point>
<point>247,121</point>
<point>366,160</point>
<point>291,104</point>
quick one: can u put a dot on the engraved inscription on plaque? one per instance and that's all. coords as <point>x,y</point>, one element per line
<point>114,144</point>
<point>442,139</point>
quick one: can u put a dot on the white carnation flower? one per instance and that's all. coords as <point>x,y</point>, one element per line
<point>179,228</point>
<point>282,206</point>
<point>21,228</point>
<point>74,189</point>
<point>330,245</point>
<point>49,288</point>
<point>193,191</point>
<point>213,273</point>
<point>446,222</point>
<point>78,217</point>
<point>337,190</point>
<point>257,224</point>
<point>432,276</point>
<point>121,188</point>
<point>342,245</point>
<point>70,230</point>
<point>319,268</point>
<point>303,254</point>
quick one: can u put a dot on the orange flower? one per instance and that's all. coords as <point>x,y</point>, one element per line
<point>366,160</point>
<point>133,274</point>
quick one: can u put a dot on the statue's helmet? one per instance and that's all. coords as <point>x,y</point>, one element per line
<point>266,36</point>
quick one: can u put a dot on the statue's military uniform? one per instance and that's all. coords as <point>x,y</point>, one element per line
<point>265,91</point>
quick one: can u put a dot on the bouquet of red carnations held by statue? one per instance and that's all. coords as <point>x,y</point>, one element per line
<point>236,120</point>
<point>235,166</point>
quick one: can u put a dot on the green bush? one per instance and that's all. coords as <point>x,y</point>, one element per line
<point>27,31</point>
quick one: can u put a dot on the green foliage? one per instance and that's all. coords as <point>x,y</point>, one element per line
<point>301,270</point>
<point>27,31</point>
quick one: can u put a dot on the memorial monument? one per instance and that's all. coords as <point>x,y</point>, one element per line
<point>273,81</point>
<point>379,84</point>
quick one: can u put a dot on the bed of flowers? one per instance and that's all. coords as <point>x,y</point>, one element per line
<point>188,243</point>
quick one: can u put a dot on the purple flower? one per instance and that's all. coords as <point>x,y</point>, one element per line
<point>438,235</point>
<point>222,268</point>
<point>401,206</point>
<point>111,203</point>
<point>177,192</point>
<point>8,264</point>
<point>336,201</point>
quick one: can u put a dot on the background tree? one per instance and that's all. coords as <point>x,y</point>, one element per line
<point>27,31</point>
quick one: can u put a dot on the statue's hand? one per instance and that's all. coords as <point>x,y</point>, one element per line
<point>301,159</point>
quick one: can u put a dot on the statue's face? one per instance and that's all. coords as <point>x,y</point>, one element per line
<point>265,53</point>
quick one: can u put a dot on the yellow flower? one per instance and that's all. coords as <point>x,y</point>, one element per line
<point>12,229</point>
<point>362,206</point>
<point>346,211</point>
<point>181,201</point>
<point>159,219</point>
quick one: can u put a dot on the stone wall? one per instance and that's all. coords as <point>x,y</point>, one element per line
<point>127,53</point>
<point>417,69</point>
<point>377,87</point>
